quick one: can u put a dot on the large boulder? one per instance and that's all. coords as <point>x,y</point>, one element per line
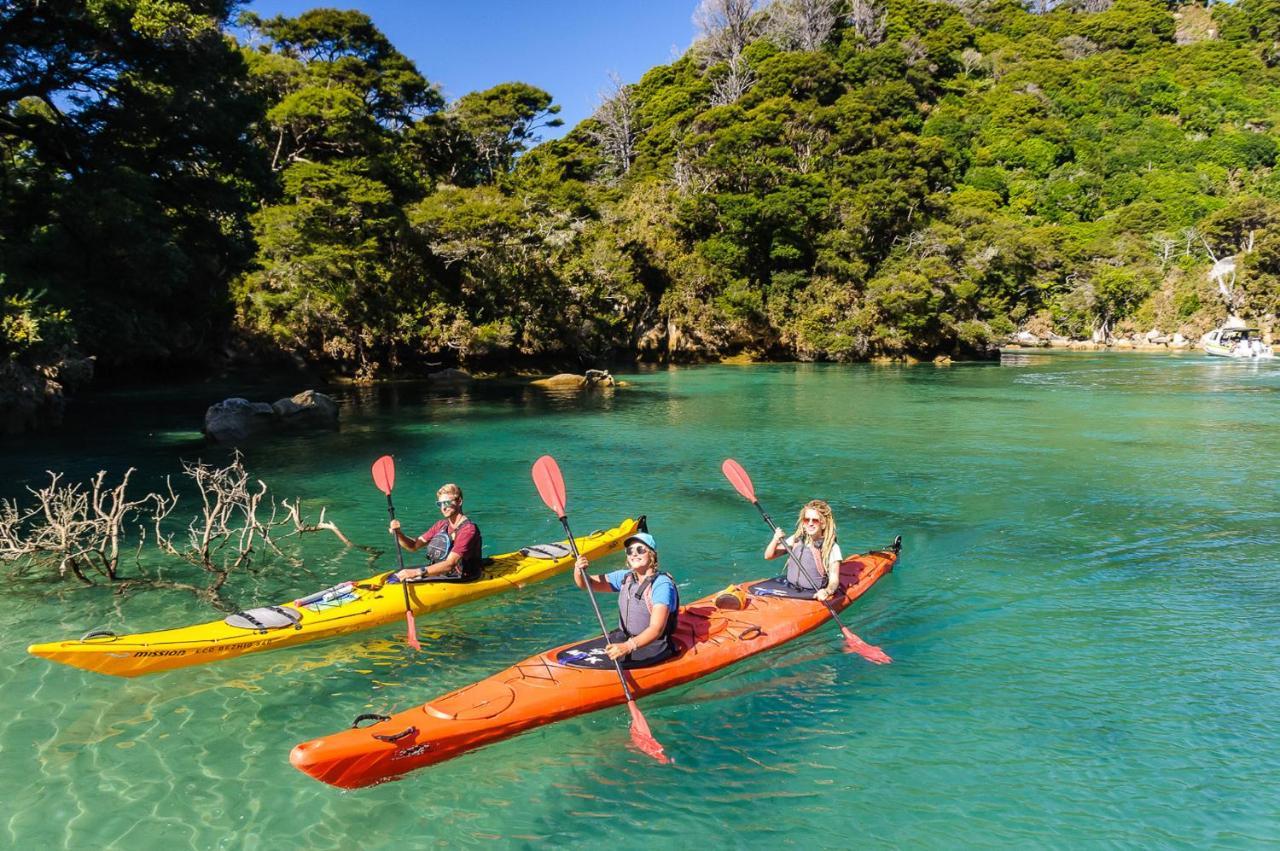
<point>308,409</point>
<point>235,420</point>
<point>592,378</point>
<point>1026,338</point>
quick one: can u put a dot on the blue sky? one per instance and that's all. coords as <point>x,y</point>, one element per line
<point>567,47</point>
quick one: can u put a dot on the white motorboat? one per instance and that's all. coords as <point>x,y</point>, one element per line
<point>1235,339</point>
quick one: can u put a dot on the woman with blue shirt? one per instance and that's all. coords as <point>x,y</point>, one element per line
<point>647,604</point>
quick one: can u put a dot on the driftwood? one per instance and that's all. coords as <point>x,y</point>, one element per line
<point>80,530</point>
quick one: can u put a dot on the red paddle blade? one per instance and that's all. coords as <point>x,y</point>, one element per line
<point>738,478</point>
<point>854,644</point>
<point>413,630</point>
<point>550,484</point>
<point>642,738</point>
<point>384,474</point>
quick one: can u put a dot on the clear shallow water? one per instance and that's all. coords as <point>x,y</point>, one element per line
<point>1084,622</point>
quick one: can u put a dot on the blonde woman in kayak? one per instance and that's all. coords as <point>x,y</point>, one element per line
<point>815,562</point>
<point>647,604</point>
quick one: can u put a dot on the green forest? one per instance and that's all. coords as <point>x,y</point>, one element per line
<point>185,185</point>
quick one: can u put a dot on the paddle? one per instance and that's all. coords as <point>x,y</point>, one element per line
<point>550,484</point>
<point>384,476</point>
<point>742,484</point>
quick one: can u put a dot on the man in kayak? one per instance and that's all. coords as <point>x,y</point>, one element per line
<point>647,604</point>
<point>814,566</point>
<point>453,542</point>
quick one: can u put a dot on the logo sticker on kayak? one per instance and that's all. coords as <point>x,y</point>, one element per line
<point>410,752</point>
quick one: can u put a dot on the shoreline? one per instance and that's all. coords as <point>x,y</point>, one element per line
<point>1187,347</point>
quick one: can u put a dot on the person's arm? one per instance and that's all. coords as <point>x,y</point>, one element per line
<point>833,574</point>
<point>775,548</point>
<point>408,543</point>
<point>581,578</point>
<point>657,623</point>
<point>445,565</point>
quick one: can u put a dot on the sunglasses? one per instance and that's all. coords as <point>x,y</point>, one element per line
<point>446,503</point>
<point>813,520</point>
<point>637,550</point>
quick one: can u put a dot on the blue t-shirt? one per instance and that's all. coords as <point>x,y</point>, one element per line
<point>664,590</point>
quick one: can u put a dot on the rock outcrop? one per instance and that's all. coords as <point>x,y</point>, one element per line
<point>569,380</point>
<point>236,420</point>
<point>33,397</point>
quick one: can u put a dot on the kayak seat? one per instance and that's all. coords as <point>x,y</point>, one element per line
<point>590,654</point>
<point>780,587</point>
<point>546,551</point>
<point>266,618</point>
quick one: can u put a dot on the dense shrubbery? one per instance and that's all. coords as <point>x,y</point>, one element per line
<point>928,179</point>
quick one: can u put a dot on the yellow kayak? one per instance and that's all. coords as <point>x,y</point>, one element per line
<point>347,607</point>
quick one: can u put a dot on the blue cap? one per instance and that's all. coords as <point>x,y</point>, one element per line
<point>644,538</point>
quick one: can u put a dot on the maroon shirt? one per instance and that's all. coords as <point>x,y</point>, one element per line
<point>466,543</point>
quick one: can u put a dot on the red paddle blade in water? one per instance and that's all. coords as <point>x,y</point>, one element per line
<point>413,630</point>
<point>642,738</point>
<point>550,484</point>
<point>854,644</point>
<point>738,478</point>
<point>384,474</point>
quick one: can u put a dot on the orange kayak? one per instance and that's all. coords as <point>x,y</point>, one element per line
<point>541,690</point>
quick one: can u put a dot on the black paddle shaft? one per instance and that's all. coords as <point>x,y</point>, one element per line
<point>408,604</point>
<point>391,511</point>
<point>573,546</point>
<point>790,557</point>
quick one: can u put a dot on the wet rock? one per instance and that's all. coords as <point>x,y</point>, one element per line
<point>236,419</point>
<point>308,409</point>
<point>592,378</point>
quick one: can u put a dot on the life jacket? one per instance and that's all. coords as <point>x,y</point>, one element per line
<point>635,605</point>
<point>470,568</point>
<point>805,569</point>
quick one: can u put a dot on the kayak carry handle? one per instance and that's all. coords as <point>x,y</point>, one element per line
<point>369,716</point>
<point>98,633</point>
<point>395,737</point>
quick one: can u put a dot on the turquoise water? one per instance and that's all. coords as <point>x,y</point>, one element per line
<point>1083,624</point>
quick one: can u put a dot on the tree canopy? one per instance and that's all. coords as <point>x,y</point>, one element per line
<point>813,179</point>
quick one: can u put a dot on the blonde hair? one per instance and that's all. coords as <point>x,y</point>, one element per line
<point>451,489</point>
<point>828,528</point>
